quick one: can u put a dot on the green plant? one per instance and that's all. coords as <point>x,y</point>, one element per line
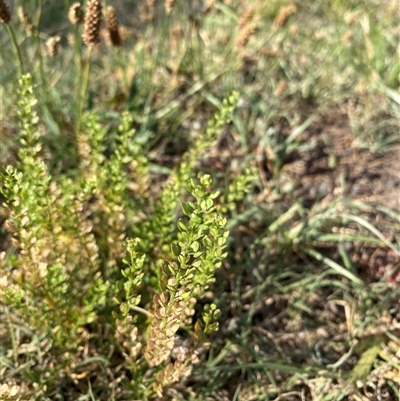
<point>68,257</point>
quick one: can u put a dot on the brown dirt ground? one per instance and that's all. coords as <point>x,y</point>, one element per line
<point>373,178</point>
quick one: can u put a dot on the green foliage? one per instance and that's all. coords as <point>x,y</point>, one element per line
<point>158,243</point>
<point>72,270</point>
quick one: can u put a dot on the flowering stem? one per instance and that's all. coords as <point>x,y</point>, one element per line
<point>85,83</point>
<point>38,50</point>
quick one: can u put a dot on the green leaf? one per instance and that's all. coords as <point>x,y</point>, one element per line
<point>176,249</point>
<point>182,227</point>
<point>333,265</point>
<point>188,208</point>
<point>364,364</point>
<point>195,246</point>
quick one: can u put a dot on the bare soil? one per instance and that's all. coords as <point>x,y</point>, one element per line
<point>339,157</point>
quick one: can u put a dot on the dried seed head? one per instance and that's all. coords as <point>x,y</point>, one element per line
<point>5,13</point>
<point>245,35</point>
<point>283,15</point>
<point>26,20</point>
<point>52,45</point>
<point>91,32</point>
<point>247,16</point>
<point>76,14</point>
<point>169,5</point>
<point>146,11</point>
<point>112,26</point>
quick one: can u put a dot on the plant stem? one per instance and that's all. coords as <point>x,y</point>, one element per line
<point>141,310</point>
<point>16,48</point>
<point>123,68</point>
<point>39,17</point>
<point>78,55</point>
<point>85,83</point>
<point>37,40</point>
<point>46,94</point>
<point>12,336</point>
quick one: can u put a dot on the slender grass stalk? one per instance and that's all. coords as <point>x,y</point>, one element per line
<point>121,62</point>
<point>16,49</point>
<point>91,36</point>
<point>36,35</point>
<point>45,94</point>
<point>163,40</point>
<point>12,336</point>
<point>85,83</point>
<point>78,53</point>
<point>76,18</point>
